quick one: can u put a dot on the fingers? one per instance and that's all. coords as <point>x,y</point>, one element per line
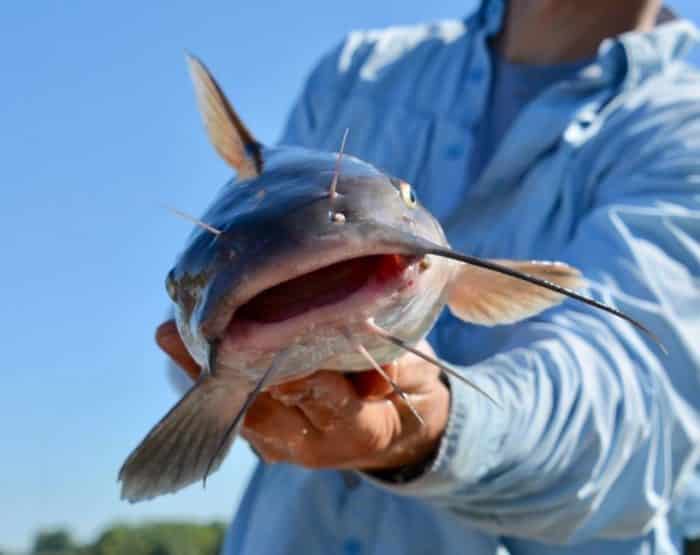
<point>319,422</point>
<point>413,374</point>
<point>168,339</point>
<point>371,385</point>
<point>348,427</point>
<point>326,398</point>
<point>278,433</point>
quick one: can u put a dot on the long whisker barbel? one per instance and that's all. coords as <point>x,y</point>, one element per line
<point>397,388</point>
<point>376,330</point>
<point>332,192</point>
<point>195,221</point>
<point>487,265</point>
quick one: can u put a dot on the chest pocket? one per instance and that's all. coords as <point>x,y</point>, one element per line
<point>444,181</point>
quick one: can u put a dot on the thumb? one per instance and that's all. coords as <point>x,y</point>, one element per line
<point>169,340</point>
<point>371,385</point>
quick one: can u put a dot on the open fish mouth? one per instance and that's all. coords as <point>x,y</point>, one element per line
<point>354,286</point>
<point>326,286</point>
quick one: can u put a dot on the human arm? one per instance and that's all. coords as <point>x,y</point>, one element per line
<point>599,430</point>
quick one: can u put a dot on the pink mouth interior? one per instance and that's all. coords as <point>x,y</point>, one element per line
<point>325,286</point>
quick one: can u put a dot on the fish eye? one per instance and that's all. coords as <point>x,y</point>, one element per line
<point>170,286</point>
<point>407,194</point>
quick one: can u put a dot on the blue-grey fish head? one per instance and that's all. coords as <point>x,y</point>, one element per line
<point>285,223</point>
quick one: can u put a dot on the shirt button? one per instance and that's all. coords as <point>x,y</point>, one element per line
<point>352,546</point>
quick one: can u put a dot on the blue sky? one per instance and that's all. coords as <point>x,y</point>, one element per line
<point>99,130</point>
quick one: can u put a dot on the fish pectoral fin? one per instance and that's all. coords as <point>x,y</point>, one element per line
<point>230,137</point>
<point>480,296</point>
<point>188,443</point>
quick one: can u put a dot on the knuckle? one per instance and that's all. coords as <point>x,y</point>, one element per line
<point>380,433</point>
<point>372,440</point>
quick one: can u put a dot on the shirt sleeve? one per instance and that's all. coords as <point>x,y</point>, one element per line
<point>598,430</point>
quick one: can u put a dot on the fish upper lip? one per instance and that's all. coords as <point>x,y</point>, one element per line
<point>214,328</point>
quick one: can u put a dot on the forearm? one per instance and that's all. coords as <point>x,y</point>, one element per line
<point>586,443</point>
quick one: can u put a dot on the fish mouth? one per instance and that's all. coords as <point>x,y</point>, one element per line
<point>325,286</point>
<point>325,294</point>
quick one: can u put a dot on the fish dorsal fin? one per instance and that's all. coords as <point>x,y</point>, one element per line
<point>228,134</point>
<point>480,296</point>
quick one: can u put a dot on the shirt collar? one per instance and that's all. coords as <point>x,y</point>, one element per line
<point>645,54</point>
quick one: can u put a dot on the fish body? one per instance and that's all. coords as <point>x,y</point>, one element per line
<point>310,260</point>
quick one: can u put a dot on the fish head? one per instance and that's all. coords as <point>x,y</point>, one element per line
<point>293,262</point>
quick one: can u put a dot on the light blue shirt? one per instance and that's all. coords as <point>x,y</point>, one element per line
<point>513,86</point>
<point>596,446</point>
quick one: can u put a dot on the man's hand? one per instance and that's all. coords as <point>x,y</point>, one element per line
<point>332,420</point>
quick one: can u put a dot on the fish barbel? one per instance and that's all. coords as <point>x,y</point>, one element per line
<point>310,260</point>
